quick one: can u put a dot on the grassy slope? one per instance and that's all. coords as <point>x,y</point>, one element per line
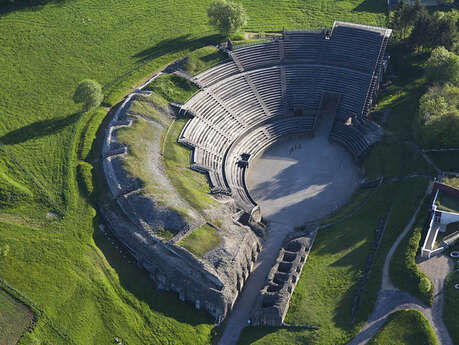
<point>201,240</point>
<point>451,305</point>
<point>45,53</point>
<point>172,88</point>
<point>14,318</point>
<point>191,185</point>
<point>405,327</point>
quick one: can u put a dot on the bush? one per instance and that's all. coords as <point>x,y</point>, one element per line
<point>425,285</point>
<point>4,250</point>
<point>88,92</point>
<point>84,173</point>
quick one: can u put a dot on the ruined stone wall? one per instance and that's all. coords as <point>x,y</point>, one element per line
<point>212,282</point>
<point>273,301</point>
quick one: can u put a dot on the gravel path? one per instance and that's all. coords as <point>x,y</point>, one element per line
<point>391,299</point>
<point>240,314</point>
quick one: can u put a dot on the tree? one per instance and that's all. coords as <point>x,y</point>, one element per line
<point>443,66</point>
<point>226,16</point>
<point>88,92</point>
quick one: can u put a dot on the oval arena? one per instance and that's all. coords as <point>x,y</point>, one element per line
<point>279,129</point>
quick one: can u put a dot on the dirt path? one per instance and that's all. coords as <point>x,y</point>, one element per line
<point>391,299</point>
<point>240,314</point>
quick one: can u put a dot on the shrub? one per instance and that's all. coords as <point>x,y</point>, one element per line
<point>88,92</point>
<point>84,171</point>
<point>425,285</point>
<point>4,250</point>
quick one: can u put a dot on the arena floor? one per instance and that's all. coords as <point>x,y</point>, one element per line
<point>302,179</point>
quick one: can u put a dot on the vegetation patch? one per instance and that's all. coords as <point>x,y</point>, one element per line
<point>201,240</point>
<point>191,185</point>
<point>270,336</point>
<point>12,192</point>
<point>84,175</point>
<point>446,160</point>
<point>202,59</point>
<point>404,273</point>
<point>451,306</point>
<point>173,88</point>
<point>407,327</point>
<point>15,317</point>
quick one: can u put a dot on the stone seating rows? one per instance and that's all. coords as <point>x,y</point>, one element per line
<point>258,56</point>
<point>351,138</point>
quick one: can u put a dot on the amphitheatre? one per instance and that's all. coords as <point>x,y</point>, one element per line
<point>276,185</point>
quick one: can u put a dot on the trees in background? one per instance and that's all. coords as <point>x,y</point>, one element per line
<point>89,93</point>
<point>443,66</point>
<point>227,16</point>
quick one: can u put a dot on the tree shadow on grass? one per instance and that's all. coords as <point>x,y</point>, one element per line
<point>174,45</point>
<point>7,6</point>
<point>39,129</point>
<point>371,6</point>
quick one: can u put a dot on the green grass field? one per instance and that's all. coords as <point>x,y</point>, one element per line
<point>447,202</point>
<point>451,306</point>
<point>14,318</point>
<point>405,327</point>
<point>57,259</point>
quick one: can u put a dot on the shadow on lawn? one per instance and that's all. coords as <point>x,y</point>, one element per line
<point>7,6</point>
<point>38,129</point>
<point>174,45</point>
<point>371,6</point>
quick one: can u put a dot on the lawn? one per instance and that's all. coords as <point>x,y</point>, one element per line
<point>451,306</point>
<point>173,88</point>
<point>328,283</point>
<point>405,327</point>
<point>446,161</point>
<point>14,318</point>
<point>56,260</point>
<point>202,59</point>
<point>201,240</point>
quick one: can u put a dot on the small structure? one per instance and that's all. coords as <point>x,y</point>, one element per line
<point>445,211</point>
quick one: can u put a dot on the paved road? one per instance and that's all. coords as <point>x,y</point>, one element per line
<point>240,314</point>
<point>391,299</point>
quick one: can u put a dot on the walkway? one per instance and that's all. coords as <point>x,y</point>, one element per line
<point>240,314</point>
<point>391,299</point>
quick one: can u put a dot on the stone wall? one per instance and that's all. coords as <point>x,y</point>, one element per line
<point>274,299</point>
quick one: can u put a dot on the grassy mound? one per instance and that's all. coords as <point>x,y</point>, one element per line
<point>405,327</point>
<point>173,88</point>
<point>12,192</point>
<point>201,240</point>
<point>203,59</point>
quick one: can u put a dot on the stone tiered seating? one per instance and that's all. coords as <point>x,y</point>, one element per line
<point>246,105</point>
<point>354,48</point>
<point>257,56</point>
<point>351,138</point>
<point>217,73</point>
<point>303,46</point>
